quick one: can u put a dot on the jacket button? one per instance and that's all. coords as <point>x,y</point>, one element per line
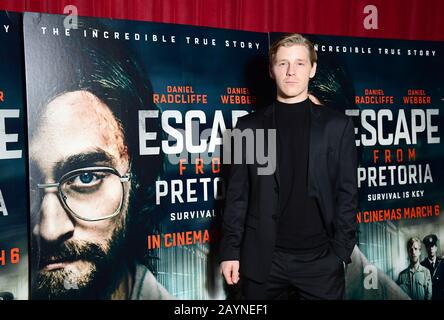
<point>274,216</point>
<point>276,189</point>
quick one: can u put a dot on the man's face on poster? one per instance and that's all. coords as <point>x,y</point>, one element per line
<point>76,131</point>
<point>414,252</point>
<point>431,251</point>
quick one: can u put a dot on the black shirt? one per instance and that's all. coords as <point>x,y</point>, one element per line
<point>300,225</point>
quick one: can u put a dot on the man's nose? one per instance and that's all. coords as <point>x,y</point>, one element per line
<point>291,70</point>
<point>55,224</point>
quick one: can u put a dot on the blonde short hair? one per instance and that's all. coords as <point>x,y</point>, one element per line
<point>291,40</point>
<point>412,241</point>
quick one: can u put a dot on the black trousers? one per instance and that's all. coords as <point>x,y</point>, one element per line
<point>318,276</point>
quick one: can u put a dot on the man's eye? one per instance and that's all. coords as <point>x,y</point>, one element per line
<point>84,183</point>
<point>86,177</point>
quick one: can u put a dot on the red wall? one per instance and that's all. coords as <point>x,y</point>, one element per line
<point>402,19</point>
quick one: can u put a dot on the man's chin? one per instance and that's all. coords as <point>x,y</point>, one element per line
<point>65,280</point>
<point>292,92</point>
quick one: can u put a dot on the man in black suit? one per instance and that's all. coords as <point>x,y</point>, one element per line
<point>434,263</point>
<point>289,234</point>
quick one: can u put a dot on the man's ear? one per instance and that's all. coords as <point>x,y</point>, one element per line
<point>270,71</point>
<point>313,70</point>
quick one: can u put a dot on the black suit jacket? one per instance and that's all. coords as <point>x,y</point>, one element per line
<point>251,211</point>
<point>437,274</point>
<point>426,263</point>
